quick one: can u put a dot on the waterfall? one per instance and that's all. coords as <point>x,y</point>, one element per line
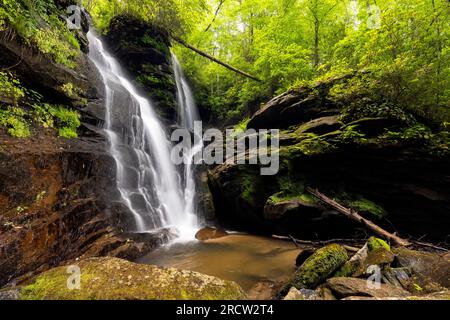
<point>187,115</point>
<point>150,185</point>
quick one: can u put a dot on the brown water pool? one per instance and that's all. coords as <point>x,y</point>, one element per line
<point>244,259</point>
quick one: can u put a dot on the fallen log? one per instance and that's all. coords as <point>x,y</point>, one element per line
<point>320,243</point>
<point>355,216</point>
<point>210,57</point>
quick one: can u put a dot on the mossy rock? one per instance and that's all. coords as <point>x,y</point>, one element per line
<point>348,269</point>
<point>375,243</point>
<point>375,252</point>
<point>117,279</point>
<point>380,257</point>
<point>319,266</point>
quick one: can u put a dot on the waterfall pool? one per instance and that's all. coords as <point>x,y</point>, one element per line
<point>242,258</point>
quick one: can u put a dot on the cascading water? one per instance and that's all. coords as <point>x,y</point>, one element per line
<point>187,115</point>
<point>148,181</point>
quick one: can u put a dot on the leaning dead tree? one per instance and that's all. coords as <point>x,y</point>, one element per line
<point>210,57</point>
<point>353,215</point>
<point>215,15</point>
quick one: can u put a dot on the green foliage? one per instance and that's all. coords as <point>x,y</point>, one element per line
<point>38,22</point>
<point>241,126</point>
<point>406,56</point>
<point>351,134</point>
<point>13,119</point>
<point>319,266</point>
<point>365,205</point>
<point>66,120</point>
<point>291,189</point>
<point>374,244</point>
<point>416,133</point>
<point>173,15</point>
<point>10,88</point>
<point>248,190</point>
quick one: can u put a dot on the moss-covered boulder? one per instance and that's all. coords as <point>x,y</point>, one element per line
<point>117,279</point>
<point>374,252</point>
<point>380,257</point>
<point>319,266</point>
<point>375,243</point>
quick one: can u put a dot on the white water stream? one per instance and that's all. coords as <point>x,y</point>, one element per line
<point>158,193</point>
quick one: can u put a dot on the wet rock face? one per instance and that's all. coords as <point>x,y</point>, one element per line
<point>40,72</point>
<point>58,197</point>
<point>144,51</point>
<point>54,204</point>
<point>106,278</point>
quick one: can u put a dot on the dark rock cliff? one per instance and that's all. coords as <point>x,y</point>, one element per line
<point>388,166</point>
<point>55,193</point>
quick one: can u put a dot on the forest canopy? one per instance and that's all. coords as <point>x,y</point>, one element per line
<point>402,46</point>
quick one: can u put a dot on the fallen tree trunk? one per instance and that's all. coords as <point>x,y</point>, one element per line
<point>353,215</point>
<point>210,57</point>
<point>319,243</point>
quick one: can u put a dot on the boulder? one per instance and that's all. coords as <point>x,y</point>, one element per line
<point>343,164</point>
<point>302,256</point>
<point>374,243</point>
<point>319,266</point>
<point>379,257</point>
<point>425,266</point>
<point>209,233</point>
<point>355,265</point>
<point>347,287</point>
<point>397,277</point>
<point>297,106</point>
<point>302,294</point>
<point>443,295</point>
<point>269,115</point>
<point>325,293</point>
<point>276,210</point>
<point>9,294</point>
<point>375,252</point>
<point>374,126</point>
<point>265,290</point>
<point>117,279</point>
<point>320,126</point>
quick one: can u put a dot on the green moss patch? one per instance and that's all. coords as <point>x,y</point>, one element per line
<point>319,266</point>
<point>376,243</point>
<point>38,24</point>
<point>116,279</point>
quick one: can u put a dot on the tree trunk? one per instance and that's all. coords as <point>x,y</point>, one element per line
<point>316,56</point>
<point>353,215</point>
<point>438,54</point>
<point>206,55</point>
